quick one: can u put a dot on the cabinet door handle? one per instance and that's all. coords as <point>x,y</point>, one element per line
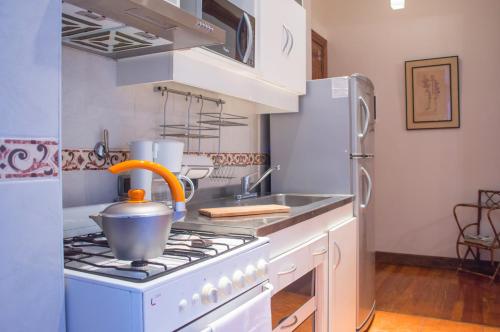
<point>321,252</point>
<point>287,39</point>
<point>292,269</point>
<point>340,255</point>
<point>291,44</point>
<point>295,320</point>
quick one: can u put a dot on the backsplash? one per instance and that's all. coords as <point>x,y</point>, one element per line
<point>91,102</point>
<point>22,159</point>
<point>86,159</point>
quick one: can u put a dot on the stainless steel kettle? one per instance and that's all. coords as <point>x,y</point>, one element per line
<point>137,230</point>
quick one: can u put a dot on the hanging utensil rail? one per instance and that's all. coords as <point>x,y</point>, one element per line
<point>164,89</point>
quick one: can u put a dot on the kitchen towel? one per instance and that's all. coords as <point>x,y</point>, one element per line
<point>253,316</point>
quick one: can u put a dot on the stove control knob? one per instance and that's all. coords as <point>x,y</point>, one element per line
<point>183,305</point>
<point>195,299</point>
<point>239,279</point>
<point>262,267</point>
<point>210,294</point>
<point>225,286</point>
<point>251,273</point>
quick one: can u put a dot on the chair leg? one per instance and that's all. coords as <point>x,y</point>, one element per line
<point>461,259</point>
<point>494,276</point>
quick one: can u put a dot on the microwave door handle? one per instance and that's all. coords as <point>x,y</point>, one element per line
<point>248,51</point>
<point>370,187</point>
<point>238,37</point>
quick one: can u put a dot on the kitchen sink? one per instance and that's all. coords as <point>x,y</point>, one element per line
<point>292,200</point>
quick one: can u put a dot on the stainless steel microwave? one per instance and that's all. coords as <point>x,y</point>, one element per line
<point>239,26</point>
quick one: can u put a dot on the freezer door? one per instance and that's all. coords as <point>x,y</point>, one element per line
<point>364,209</point>
<point>313,145</point>
<point>362,114</point>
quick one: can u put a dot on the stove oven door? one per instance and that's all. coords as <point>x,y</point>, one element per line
<point>250,311</point>
<point>300,277</point>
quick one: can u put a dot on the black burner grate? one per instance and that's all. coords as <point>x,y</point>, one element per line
<point>91,254</point>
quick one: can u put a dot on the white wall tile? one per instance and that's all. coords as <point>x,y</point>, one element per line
<point>31,278</point>
<point>91,101</point>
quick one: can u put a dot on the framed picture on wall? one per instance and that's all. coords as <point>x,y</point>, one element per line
<point>432,93</point>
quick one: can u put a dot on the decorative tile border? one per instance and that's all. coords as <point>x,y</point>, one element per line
<point>237,159</point>
<point>86,160</point>
<point>28,158</point>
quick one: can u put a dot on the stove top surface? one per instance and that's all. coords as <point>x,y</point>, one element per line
<point>91,254</point>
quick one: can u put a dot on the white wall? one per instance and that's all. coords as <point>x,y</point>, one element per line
<point>422,174</point>
<point>31,277</point>
<point>91,101</point>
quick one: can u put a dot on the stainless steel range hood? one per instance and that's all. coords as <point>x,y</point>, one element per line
<point>127,28</point>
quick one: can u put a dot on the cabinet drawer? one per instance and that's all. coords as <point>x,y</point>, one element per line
<point>293,264</point>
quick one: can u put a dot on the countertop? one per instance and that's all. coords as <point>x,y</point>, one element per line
<point>258,225</point>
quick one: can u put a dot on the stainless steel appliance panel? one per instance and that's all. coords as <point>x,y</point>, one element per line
<point>313,146</point>
<point>239,27</point>
<point>126,28</point>
<point>328,147</point>
<point>364,210</point>
<point>363,114</point>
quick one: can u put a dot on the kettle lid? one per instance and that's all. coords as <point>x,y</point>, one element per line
<point>136,206</point>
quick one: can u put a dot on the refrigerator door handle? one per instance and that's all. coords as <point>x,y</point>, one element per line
<point>370,186</point>
<point>366,109</point>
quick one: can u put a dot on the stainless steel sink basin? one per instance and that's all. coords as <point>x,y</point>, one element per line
<point>292,200</point>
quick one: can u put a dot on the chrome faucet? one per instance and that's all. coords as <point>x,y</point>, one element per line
<point>245,183</point>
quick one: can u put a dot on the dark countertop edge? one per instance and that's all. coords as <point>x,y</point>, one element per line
<point>294,220</point>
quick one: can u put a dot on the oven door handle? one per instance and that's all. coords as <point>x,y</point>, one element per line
<point>267,290</point>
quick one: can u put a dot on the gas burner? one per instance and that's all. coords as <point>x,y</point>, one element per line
<point>201,243</point>
<point>139,263</point>
<point>70,251</point>
<point>101,242</point>
<point>91,254</point>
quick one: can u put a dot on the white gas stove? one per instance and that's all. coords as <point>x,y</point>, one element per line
<point>198,284</point>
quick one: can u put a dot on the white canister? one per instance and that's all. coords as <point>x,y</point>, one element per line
<point>141,179</point>
<point>168,152</point>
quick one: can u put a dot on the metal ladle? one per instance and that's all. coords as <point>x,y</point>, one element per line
<point>101,148</point>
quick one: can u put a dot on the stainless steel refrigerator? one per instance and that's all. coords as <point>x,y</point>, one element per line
<point>328,147</point>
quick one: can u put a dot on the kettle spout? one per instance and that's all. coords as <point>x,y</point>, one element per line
<point>97,218</point>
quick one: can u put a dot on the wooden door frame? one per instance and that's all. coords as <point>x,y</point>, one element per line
<point>317,38</point>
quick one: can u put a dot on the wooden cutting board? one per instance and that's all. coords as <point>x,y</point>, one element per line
<point>249,210</point>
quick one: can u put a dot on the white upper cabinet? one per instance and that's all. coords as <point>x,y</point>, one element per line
<point>281,52</point>
<point>274,84</point>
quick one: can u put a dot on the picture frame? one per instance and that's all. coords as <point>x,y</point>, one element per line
<point>432,93</point>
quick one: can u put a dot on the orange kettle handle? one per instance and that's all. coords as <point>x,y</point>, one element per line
<point>169,177</point>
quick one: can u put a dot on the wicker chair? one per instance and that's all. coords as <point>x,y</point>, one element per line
<point>472,239</point>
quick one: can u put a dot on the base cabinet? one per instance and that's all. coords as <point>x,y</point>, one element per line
<point>342,272</point>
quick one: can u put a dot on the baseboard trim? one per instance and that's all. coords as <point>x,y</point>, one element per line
<point>382,257</point>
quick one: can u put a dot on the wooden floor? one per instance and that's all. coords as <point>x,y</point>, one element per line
<point>394,322</point>
<point>437,293</point>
